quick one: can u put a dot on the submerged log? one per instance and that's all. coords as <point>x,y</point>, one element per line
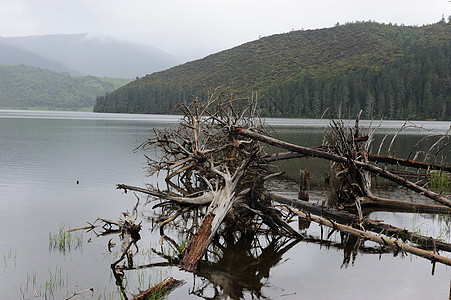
<point>396,246</point>
<point>340,159</point>
<point>160,290</point>
<point>375,226</point>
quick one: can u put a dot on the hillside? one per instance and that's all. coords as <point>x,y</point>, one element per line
<point>30,87</point>
<point>302,73</point>
<point>81,54</point>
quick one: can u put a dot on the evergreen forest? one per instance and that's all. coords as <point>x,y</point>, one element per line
<point>388,71</point>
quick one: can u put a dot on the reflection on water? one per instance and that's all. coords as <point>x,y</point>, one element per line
<point>44,154</point>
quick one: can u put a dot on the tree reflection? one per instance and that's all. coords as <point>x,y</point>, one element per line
<point>244,265</point>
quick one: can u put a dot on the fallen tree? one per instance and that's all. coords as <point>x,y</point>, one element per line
<point>207,163</point>
<point>215,158</point>
<point>397,246</point>
<point>312,152</point>
<point>343,217</point>
<point>371,157</point>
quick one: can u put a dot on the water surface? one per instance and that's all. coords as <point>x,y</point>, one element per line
<point>44,154</point>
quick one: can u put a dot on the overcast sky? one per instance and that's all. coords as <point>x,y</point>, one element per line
<point>191,29</point>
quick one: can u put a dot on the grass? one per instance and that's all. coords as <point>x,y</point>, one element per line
<point>9,257</point>
<point>182,245</point>
<point>445,227</point>
<point>56,280</point>
<point>31,280</point>
<point>64,241</point>
<point>440,180</point>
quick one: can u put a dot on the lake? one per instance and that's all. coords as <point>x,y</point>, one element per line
<point>59,170</point>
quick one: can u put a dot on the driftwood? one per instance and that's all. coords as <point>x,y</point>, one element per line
<point>215,157</point>
<point>348,218</point>
<point>160,290</point>
<point>80,292</point>
<point>199,200</point>
<point>90,227</point>
<point>336,158</point>
<point>407,163</point>
<point>371,157</point>
<point>205,162</point>
<point>397,246</point>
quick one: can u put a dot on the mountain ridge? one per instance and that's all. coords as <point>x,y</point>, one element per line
<point>276,61</point>
<point>82,54</point>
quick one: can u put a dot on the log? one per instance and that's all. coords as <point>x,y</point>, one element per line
<point>81,292</point>
<point>395,245</point>
<point>374,203</point>
<point>340,159</point>
<point>371,157</point>
<point>160,290</point>
<point>347,218</point>
<point>90,227</point>
<point>407,163</point>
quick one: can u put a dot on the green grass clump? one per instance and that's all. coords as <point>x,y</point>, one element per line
<point>440,180</point>
<point>64,241</point>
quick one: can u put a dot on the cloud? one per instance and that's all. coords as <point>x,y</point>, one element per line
<point>198,27</point>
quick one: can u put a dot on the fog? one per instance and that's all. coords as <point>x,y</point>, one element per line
<point>193,29</point>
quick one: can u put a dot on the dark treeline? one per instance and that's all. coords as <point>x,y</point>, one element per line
<point>416,86</point>
<point>155,99</point>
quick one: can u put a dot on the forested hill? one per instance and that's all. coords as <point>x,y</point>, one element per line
<point>389,71</point>
<point>30,87</point>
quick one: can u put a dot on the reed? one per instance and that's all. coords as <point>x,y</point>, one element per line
<point>64,241</point>
<point>440,180</point>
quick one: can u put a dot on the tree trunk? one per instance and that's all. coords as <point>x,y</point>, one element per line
<point>223,200</point>
<point>218,209</point>
<point>304,185</point>
<point>371,157</point>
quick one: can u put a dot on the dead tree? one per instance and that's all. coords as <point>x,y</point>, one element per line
<point>344,217</point>
<point>207,162</point>
<point>215,157</point>
<point>352,163</point>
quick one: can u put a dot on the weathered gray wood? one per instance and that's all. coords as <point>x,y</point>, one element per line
<point>397,246</point>
<point>336,158</point>
<point>204,199</point>
<point>347,218</point>
<point>371,157</point>
<point>304,185</point>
